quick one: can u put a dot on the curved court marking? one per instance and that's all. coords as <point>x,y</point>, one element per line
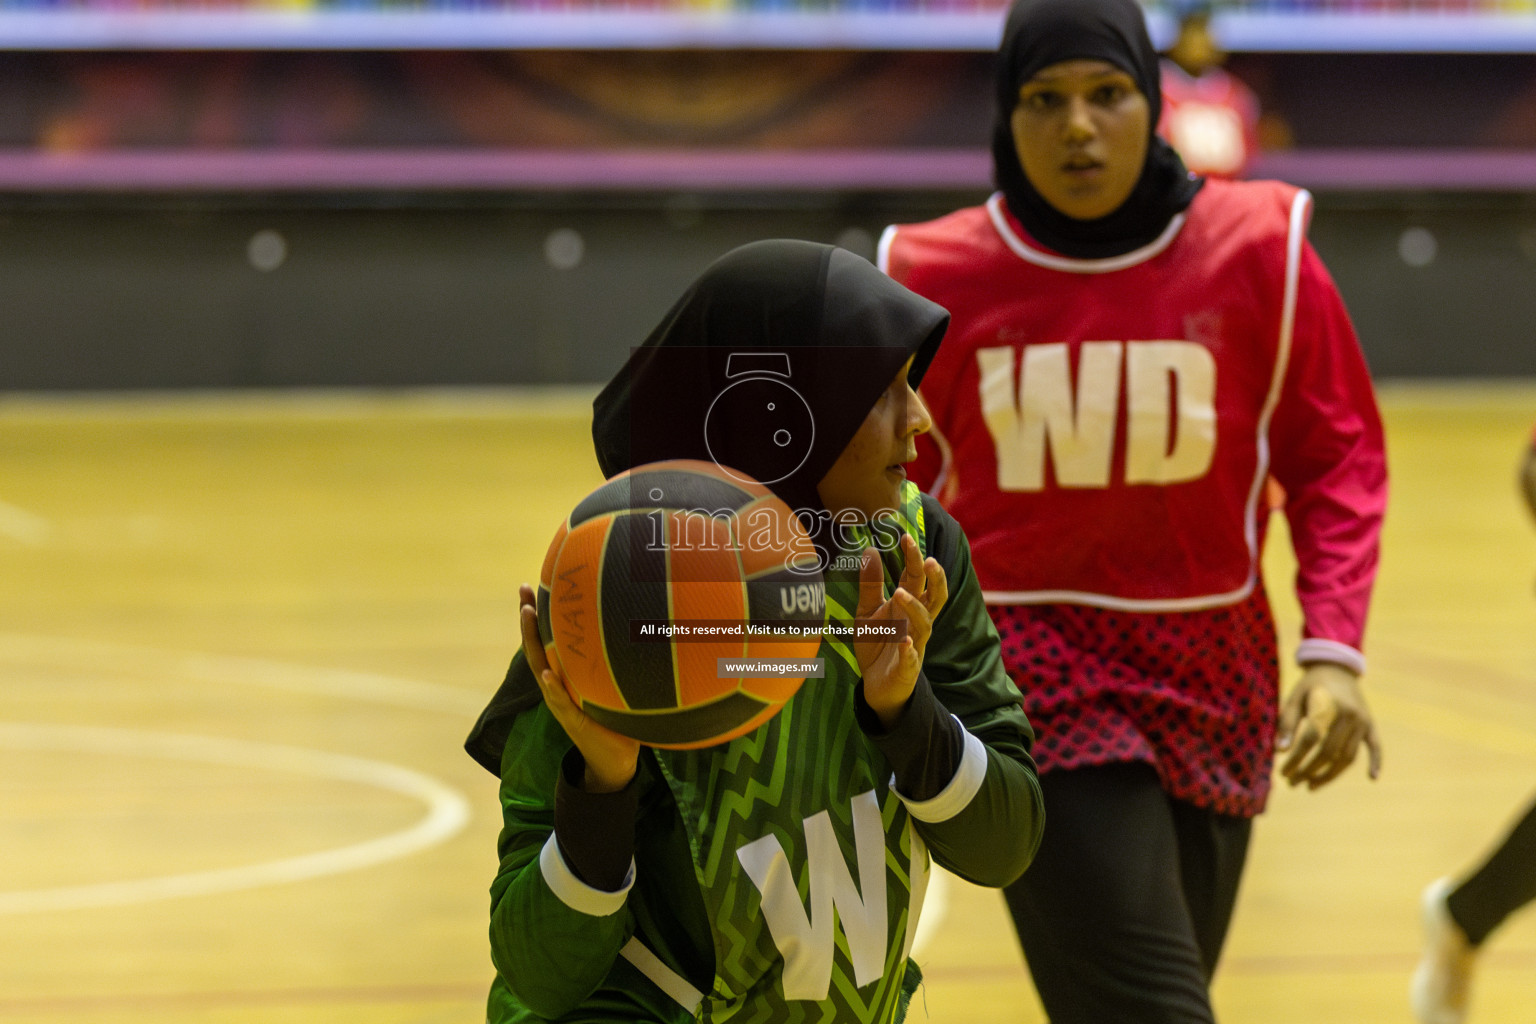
<point>223,669</point>
<point>363,686</point>
<point>447,814</point>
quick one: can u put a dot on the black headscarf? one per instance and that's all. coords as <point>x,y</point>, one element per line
<point>1039,33</point>
<point>819,320</point>
<point>769,316</point>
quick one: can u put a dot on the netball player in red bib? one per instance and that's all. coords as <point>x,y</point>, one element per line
<point>1135,355</point>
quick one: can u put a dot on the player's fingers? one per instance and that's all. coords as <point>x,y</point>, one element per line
<point>1373,747</point>
<point>1341,735</point>
<point>938,587</point>
<point>1304,739</point>
<point>1290,717</point>
<point>526,599</point>
<point>911,577</point>
<point>533,644</point>
<point>559,702</point>
<point>1330,727</point>
<point>919,622</point>
<point>871,584</point>
<point>1339,759</point>
<point>1337,730</point>
<point>1334,726</point>
<point>1348,755</point>
<point>898,664</point>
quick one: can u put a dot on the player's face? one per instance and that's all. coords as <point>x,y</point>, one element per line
<point>1195,49</point>
<point>1081,131</point>
<point>868,476</point>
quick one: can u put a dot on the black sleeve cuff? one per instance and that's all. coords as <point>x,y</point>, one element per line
<point>925,745</point>
<point>595,831</point>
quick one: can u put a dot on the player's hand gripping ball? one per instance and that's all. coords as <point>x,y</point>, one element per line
<point>658,575</point>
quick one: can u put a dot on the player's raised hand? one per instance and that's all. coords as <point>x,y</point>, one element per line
<point>611,758</point>
<point>890,667</point>
<point>1322,723</point>
<point>923,579</point>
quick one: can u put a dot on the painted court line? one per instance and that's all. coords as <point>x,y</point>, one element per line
<point>228,670</point>
<point>447,813</point>
<point>183,1001</point>
<point>259,405</point>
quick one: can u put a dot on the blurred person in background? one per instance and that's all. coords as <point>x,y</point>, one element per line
<point>1460,915</point>
<point>1133,351</point>
<point>1209,115</point>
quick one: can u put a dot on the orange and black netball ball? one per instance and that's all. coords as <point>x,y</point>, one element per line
<point>680,602</point>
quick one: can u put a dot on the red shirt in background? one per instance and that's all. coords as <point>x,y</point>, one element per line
<point>1212,120</point>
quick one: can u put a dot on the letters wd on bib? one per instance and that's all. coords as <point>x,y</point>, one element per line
<point>1137,421</point>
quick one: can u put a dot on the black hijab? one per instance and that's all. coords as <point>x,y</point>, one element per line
<point>770,318</point>
<point>1039,33</point>
<point>819,320</point>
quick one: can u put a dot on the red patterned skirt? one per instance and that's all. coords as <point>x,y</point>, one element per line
<point>1194,694</point>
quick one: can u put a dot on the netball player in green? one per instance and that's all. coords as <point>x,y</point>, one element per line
<point>777,877</point>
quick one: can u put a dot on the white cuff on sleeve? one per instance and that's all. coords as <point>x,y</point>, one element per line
<point>575,893</point>
<point>961,789</point>
<point>1313,649</point>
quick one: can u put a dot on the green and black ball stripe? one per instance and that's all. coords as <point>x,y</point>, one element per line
<point>646,512</point>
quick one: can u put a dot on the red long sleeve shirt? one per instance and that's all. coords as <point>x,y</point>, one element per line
<point>1106,432</point>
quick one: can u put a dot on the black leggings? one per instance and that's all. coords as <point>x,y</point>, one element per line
<point>1124,911</point>
<point>1505,883</point>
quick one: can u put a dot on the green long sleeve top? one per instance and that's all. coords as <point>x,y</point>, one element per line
<point>706,888</point>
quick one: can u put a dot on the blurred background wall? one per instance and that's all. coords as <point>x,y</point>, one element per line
<point>364,193</point>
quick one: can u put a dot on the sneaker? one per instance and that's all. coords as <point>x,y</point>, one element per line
<point>1443,982</point>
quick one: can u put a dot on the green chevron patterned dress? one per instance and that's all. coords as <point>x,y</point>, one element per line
<point>778,878</point>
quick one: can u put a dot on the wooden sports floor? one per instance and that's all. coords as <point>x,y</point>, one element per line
<point>242,638</point>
